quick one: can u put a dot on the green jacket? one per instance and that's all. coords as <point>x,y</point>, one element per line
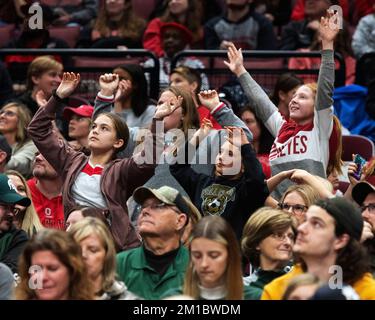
<point>144,281</point>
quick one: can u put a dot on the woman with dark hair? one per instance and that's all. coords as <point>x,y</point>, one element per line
<point>214,271</point>
<point>58,270</point>
<point>185,12</point>
<point>14,119</point>
<point>118,24</point>
<point>131,101</point>
<point>285,88</point>
<point>267,242</point>
<point>98,180</point>
<point>262,138</point>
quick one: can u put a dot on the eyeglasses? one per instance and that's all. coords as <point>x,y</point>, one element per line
<point>370,207</point>
<point>7,113</point>
<point>283,236</point>
<point>158,206</point>
<point>9,208</point>
<point>296,208</point>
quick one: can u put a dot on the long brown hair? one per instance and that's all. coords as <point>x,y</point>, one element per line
<point>130,25</point>
<point>68,251</point>
<point>217,229</point>
<point>193,16</point>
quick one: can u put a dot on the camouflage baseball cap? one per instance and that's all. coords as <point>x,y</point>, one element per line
<point>169,196</point>
<point>8,193</point>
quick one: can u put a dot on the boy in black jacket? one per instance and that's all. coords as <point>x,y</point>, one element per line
<point>237,188</point>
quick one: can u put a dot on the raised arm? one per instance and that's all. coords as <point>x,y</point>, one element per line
<point>258,99</point>
<point>41,129</point>
<point>104,101</point>
<point>328,29</point>
<point>223,115</point>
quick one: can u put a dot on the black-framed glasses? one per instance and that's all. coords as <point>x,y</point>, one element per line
<point>296,208</point>
<point>370,207</point>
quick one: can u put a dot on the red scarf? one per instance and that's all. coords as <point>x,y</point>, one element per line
<point>290,129</point>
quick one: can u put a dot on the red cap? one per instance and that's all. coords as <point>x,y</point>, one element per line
<point>82,111</point>
<point>188,35</point>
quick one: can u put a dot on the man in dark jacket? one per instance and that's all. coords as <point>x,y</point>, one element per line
<point>241,25</point>
<point>12,240</point>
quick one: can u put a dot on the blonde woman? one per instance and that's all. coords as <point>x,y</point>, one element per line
<point>14,119</point>
<point>27,219</point>
<point>99,255</point>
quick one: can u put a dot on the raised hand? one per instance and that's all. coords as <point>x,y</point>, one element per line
<point>168,107</point>
<point>234,133</point>
<point>329,28</point>
<point>109,83</point>
<point>300,176</point>
<point>41,99</point>
<point>203,131</point>
<point>124,89</point>
<point>209,98</point>
<point>235,58</point>
<point>69,83</point>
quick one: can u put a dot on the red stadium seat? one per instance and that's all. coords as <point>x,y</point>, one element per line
<point>6,33</point>
<point>354,144</point>
<point>69,34</point>
<point>143,8</point>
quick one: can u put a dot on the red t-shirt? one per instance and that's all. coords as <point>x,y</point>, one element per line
<point>205,113</point>
<point>50,211</point>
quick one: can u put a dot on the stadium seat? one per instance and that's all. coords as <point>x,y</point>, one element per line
<point>143,8</point>
<point>69,34</point>
<point>356,144</point>
<point>6,33</point>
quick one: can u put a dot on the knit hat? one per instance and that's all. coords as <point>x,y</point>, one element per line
<point>347,216</point>
<point>361,191</point>
<point>185,31</point>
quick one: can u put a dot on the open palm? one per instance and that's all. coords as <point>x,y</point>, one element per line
<point>329,26</point>
<point>69,83</point>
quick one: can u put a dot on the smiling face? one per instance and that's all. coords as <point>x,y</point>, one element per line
<point>228,161</point>
<point>103,136</point>
<point>210,260</point>
<point>276,248</point>
<point>8,120</point>
<point>369,215</point>
<point>93,253</point>
<point>56,279</point>
<point>296,206</point>
<point>47,81</point>
<point>301,107</point>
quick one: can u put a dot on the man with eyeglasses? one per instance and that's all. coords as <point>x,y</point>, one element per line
<point>12,240</point>
<point>160,263</point>
<point>364,194</point>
